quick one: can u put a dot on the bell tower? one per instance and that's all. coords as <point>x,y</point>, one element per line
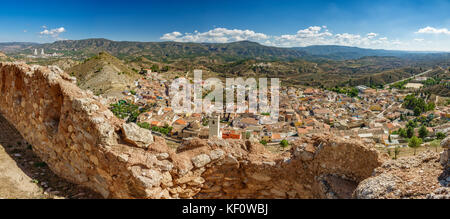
<point>214,126</point>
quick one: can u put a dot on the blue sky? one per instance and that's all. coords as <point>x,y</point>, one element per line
<point>406,25</point>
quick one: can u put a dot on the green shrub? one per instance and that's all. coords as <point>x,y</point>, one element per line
<point>126,110</point>
<point>284,143</point>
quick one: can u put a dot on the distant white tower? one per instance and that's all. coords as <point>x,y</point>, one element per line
<point>35,52</point>
<point>214,127</point>
<point>42,52</point>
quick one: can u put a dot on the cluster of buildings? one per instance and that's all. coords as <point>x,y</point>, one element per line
<point>42,54</point>
<point>372,116</point>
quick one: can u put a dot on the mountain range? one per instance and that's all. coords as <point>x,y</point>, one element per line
<point>166,51</point>
<point>93,60</point>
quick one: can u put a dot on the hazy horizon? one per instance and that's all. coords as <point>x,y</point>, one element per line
<point>400,50</point>
<point>395,25</point>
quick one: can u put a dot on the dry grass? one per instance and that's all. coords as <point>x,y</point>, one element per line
<point>408,152</point>
<point>276,148</point>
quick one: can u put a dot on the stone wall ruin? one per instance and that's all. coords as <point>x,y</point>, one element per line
<point>83,142</point>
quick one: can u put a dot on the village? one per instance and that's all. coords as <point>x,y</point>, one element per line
<point>372,115</point>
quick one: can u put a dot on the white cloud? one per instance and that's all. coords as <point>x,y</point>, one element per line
<point>313,35</point>
<point>54,33</point>
<point>432,30</point>
<point>419,40</point>
<point>372,35</point>
<point>322,36</point>
<point>171,36</point>
<point>217,35</point>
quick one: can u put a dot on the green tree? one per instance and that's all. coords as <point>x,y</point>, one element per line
<point>144,125</point>
<point>402,117</point>
<point>423,132</point>
<point>435,144</point>
<point>263,142</point>
<point>414,143</point>
<point>417,111</point>
<point>353,92</point>
<point>418,105</point>
<point>165,69</point>
<point>412,123</point>
<point>247,135</point>
<point>155,68</point>
<point>410,132</point>
<point>396,152</point>
<point>127,110</point>
<point>284,143</point>
<point>440,135</point>
<point>431,106</point>
<point>402,133</point>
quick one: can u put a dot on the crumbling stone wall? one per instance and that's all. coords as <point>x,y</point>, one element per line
<point>82,141</point>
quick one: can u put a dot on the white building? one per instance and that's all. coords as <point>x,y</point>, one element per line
<point>214,127</point>
<point>413,85</point>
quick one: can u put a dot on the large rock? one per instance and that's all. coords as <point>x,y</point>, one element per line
<point>446,143</point>
<point>408,177</point>
<point>201,160</point>
<point>136,135</point>
<point>445,161</point>
<point>445,158</point>
<point>377,187</point>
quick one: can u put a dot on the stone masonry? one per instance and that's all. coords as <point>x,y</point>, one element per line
<point>83,142</point>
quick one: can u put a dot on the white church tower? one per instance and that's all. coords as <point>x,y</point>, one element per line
<point>214,127</point>
<point>35,52</point>
<point>42,52</point>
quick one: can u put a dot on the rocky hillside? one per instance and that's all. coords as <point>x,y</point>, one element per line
<point>3,57</point>
<point>103,74</point>
<point>65,64</point>
<point>426,175</point>
<point>174,50</point>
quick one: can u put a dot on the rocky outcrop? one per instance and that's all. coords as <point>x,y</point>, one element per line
<point>418,177</point>
<point>81,140</point>
<point>445,155</point>
<point>238,169</point>
<point>137,136</point>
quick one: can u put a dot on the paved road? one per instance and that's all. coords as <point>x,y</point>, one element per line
<point>410,77</point>
<point>381,114</point>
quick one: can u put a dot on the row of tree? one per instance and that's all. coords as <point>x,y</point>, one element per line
<point>351,92</point>
<point>418,105</point>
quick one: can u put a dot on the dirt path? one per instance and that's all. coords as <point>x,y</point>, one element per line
<point>24,176</point>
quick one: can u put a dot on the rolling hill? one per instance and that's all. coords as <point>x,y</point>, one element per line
<point>311,66</point>
<point>104,74</point>
<point>164,51</point>
<point>16,46</point>
<point>346,52</point>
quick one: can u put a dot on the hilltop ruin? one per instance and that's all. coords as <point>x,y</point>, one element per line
<point>82,141</point>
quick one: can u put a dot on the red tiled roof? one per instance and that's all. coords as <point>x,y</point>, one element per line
<point>180,122</point>
<point>276,136</point>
